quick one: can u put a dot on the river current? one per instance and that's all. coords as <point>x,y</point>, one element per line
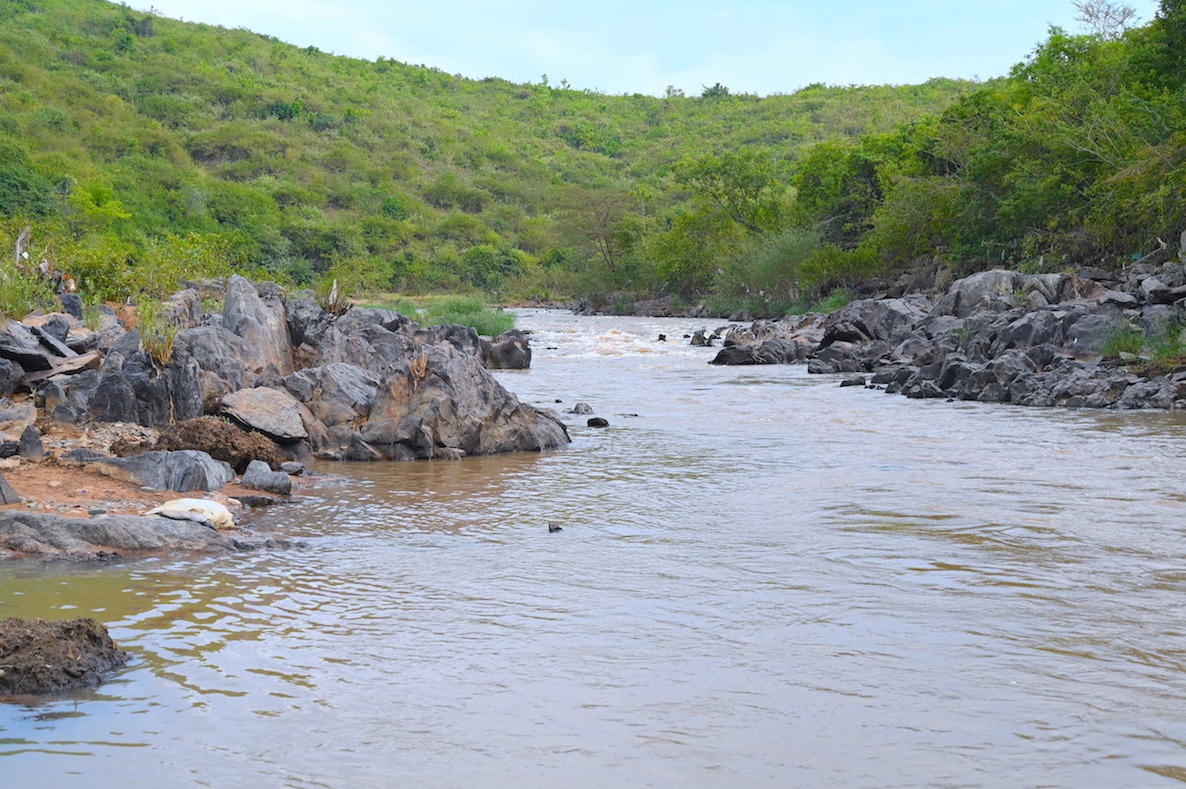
<point>763,580</point>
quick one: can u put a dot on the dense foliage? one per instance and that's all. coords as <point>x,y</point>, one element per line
<point>137,146</point>
<point>140,148</point>
<point>1075,159</point>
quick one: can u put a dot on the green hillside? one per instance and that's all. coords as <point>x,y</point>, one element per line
<point>1077,158</point>
<point>136,145</point>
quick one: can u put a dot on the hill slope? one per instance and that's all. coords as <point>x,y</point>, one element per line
<point>130,138</point>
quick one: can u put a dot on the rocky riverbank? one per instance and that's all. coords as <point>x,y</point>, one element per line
<point>252,389</point>
<point>1089,339</point>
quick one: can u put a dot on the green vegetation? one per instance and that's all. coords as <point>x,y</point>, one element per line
<point>467,311</point>
<point>1160,350</point>
<point>1126,340</point>
<point>139,148</point>
<point>130,142</point>
<point>1075,158</point>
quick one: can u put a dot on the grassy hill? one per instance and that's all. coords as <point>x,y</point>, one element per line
<point>133,142</point>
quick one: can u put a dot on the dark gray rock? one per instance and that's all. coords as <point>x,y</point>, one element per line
<point>11,374</point>
<point>82,456</point>
<point>510,350</point>
<point>182,471</point>
<point>463,338</point>
<point>261,477</point>
<point>30,444</point>
<point>261,322</point>
<point>7,494</point>
<point>449,400</point>
<point>72,304</point>
<point>337,393</point>
<point>49,535</point>
<point>734,355</point>
<point>185,309</point>
<point>20,345</point>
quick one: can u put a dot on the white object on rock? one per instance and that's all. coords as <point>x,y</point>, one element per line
<point>184,509</point>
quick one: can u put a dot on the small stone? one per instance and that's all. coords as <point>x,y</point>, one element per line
<point>598,422</point>
<point>53,483</point>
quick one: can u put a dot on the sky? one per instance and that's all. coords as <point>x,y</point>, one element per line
<point>644,46</point>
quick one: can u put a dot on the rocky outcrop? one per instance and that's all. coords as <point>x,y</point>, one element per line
<point>997,336</point>
<point>367,384</point>
<point>39,657</point>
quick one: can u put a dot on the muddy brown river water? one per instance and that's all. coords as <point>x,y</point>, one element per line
<point>763,580</point>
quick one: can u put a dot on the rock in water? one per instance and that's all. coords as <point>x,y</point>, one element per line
<point>47,657</point>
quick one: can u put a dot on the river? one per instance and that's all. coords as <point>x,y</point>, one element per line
<point>763,580</point>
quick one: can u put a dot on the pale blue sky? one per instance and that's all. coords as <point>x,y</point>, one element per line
<point>618,46</point>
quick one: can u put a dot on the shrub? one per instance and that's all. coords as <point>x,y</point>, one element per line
<point>468,311</point>
<point>22,292</point>
<point>1123,339</point>
<point>157,332</point>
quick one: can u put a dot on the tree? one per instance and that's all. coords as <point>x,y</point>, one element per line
<point>741,183</point>
<point>1105,19</point>
<point>595,223</point>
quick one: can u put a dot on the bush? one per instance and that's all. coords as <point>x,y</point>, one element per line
<point>22,292</point>
<point>1123,339</point>
<point>468,311</point>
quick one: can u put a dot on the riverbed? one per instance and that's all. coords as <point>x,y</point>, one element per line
<point>763,579</point>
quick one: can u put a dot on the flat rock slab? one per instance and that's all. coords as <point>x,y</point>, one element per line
<point>48,657</point>
<point>105,536</point>
<point>270,411</point>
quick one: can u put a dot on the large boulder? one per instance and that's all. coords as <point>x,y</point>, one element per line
<point>510,350</point>
<point>182,470</point>
<point>134,388</point>
<point>273,412</point>
<point>986,290</point>
<point>261,323</point>
<point>446,402</point>
<point>874,319</point>
<point>337,393</point>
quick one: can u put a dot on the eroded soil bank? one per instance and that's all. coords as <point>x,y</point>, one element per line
<point>38,657</point>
